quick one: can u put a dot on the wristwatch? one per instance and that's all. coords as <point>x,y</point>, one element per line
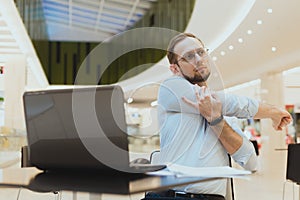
<point>216,121</point>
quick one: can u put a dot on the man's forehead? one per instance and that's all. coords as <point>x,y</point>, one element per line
<point>186,45</point>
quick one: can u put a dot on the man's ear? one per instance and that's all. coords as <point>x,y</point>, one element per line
<point>174,68</point>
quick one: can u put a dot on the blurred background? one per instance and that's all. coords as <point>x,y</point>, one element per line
<point>255,45</point>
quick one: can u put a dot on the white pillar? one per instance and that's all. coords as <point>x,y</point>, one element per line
<point>272,88</point>
<point>14,86</point>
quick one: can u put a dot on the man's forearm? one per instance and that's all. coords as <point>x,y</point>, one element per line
<point>279,117</point>
<point>266,111</point>
<point>241,149</point>
<point>230,140</point>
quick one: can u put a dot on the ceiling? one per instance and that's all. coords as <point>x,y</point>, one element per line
<point>270,35</point>
<point>241,35</point>
<point>220,27</point>
<point>91,20</point>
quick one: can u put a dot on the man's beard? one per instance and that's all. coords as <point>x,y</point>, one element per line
<point>197,78</point>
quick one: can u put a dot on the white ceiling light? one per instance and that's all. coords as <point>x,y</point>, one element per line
<point>240,40</point>
<point>214,58</point>
<point>249,32</point>
<point>259,22</point>
<point>129,100</point>
<point>230,47</point>
<point>222,53</point>
<point>270,10</point>
<point>274,49</point>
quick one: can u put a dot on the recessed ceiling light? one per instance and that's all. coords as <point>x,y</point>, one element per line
<point>214,58</point>
<point>230,47</point>
<point>270,10</point>
<point>249,32</point>
<point>129,100</point>
<point>259,21</point>
<point>240,40</point>
<point>273,49</point>
<point>222,53</point>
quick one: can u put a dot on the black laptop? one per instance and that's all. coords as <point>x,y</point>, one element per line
<point>79,128</point>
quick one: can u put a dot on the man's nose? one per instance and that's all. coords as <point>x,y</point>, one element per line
<point>198,59</point>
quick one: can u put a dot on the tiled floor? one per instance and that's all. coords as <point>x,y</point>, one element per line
<point>266,184</point>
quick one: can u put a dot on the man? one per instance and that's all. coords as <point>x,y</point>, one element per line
<point>193,130</point>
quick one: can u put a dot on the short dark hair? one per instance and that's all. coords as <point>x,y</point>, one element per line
<point>174,41</point>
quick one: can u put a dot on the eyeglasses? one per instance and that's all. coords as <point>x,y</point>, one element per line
<point>191,56</point>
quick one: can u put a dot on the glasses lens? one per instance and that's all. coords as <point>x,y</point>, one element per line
<point>201,52</point>
<point>190,56</point>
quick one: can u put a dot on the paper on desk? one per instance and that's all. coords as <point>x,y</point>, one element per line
<point>163,172</point>
<point>207,172</point>
<point>225,171</point>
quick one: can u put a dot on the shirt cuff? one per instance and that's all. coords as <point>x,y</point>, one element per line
<point>253,105</point>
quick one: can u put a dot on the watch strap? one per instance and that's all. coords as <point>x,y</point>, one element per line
<point>216,121</point>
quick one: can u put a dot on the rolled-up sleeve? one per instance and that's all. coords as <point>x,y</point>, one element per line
<point>238,106</point>
<point>242,107</point>
<point>245,156</point>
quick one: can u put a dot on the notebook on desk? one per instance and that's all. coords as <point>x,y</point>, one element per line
<point>79,128</point>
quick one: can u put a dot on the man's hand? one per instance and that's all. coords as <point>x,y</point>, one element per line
<point>281,119</point>
<point>208,103</point>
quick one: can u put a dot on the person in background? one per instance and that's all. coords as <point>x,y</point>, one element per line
<point>193,128</point>
<point>290,134</point>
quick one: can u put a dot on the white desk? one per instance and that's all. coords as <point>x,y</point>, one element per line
<point>9,158</point>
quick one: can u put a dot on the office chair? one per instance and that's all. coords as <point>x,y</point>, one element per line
<point>230,186</point>
<point>154,159</point>
<point>292,166</point>
<point>293,163</point>
<point>25,162</point>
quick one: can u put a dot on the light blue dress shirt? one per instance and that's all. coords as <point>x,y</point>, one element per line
<point>186,139</point>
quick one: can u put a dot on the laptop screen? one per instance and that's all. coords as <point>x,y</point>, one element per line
<point>77,128</point>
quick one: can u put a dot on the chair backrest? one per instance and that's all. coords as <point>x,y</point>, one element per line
<point>229,190</point>
<point>255,144</point>
<point>154,157</point>
<point>293,163</point>
<point>230,186</point>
